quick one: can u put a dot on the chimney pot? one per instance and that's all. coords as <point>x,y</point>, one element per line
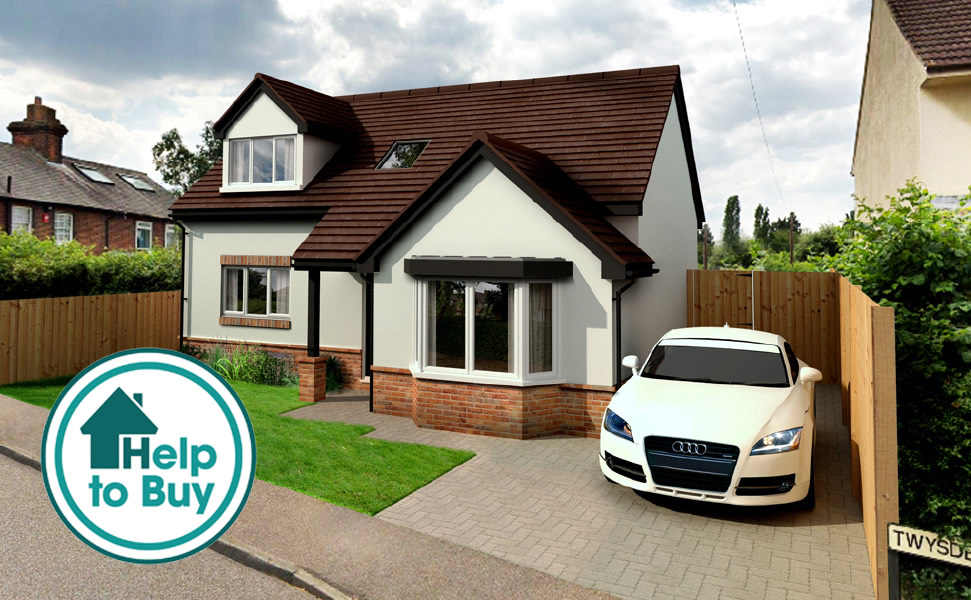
<point>37,100</point>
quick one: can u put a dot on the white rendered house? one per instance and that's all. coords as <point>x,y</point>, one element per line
<point>479,257</point>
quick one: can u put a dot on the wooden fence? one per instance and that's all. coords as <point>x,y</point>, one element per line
<point>835,327</point>
<point>803,308</point>
<point>48,337</point>
<point>869,384</point>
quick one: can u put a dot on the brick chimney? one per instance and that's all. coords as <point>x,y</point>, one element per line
<point>40,130</point>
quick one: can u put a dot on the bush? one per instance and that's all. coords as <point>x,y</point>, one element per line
<point>917,259</point>
<point>335,375</point>
<point>33,268</point>
<point>249,364</point>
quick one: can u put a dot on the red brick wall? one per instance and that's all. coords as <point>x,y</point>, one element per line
<point>89,226</point>
<point>350,358</point>
<point>496,410</point>
<point>394,390</point>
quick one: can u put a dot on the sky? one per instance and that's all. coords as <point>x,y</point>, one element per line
<point>120,73</point>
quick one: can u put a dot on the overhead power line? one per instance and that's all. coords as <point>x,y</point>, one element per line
<point>758,111</point>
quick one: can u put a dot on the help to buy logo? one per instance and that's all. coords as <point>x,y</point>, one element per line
<point>148,455</point>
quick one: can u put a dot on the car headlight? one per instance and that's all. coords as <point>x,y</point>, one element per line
<point>617,426</point>
<point>780,441</point>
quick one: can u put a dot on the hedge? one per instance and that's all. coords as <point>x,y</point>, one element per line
<point>33,268</point>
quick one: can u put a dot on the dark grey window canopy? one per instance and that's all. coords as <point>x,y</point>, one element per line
<point>499,267</point>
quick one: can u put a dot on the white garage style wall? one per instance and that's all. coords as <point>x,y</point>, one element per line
<point>667,232</point>
<point>486,215</point>
<point>341,294</point>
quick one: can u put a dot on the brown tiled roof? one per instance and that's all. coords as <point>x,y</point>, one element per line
<point>314,112</point>
<point>601,130</point>
<point>35,179</point>
<point>939,31</point>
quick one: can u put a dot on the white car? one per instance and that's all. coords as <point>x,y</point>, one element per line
<point>716,414</point>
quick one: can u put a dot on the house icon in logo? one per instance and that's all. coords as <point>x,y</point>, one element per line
<point>119,415</point>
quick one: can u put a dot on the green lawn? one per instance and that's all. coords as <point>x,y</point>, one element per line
<point>330,461</point>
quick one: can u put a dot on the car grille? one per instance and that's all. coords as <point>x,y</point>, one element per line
<point>711,472</point>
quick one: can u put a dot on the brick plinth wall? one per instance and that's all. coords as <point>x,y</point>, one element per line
<point>495,410</point>
<point>312,371</point>
<point>349,358</point>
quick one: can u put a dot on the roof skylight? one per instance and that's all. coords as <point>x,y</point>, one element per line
<point>137,182</point>
<point>402,155</point>
<point>93,174</point>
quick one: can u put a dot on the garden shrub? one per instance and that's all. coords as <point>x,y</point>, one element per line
<point>917,259</point>
<point>252,365</point>
<point>335,375</point>
<point>33,268</point>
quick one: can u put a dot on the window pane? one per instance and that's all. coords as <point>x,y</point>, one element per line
<point>493,327</point>
<point>239,161</point>
<point>263,161</point>
<point>233,290</point>
<point>143,236</point>
<point>446,324</point>
<point>402,155</point>
<point>21,219</point>
<point>170,236</point>
<point>540,327</point>
<point>280,292</point>
<point>284,159</point>
<point>63,227</point>
<point>256,291</point>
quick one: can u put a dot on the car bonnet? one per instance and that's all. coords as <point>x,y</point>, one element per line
<point>730,414</point>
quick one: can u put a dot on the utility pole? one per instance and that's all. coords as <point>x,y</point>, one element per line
<point>791,215</point>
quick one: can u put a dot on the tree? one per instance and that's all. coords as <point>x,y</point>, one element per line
<point>915,259</point>
<point>823,242</point>
<point>179,166</point>
<point>732,251</point>
<point>761,228</point>
<point>704,237</point>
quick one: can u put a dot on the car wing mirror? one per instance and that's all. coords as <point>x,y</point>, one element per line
<point>810,374</point>
<point>632,362</point>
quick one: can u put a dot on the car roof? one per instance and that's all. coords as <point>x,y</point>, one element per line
<point>725,333</point>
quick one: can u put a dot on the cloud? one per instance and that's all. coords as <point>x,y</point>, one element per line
<point>121,73</point>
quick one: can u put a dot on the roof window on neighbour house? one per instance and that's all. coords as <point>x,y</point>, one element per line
<point>137,182</point>
<point>402,155</point>
<point>93,174</point>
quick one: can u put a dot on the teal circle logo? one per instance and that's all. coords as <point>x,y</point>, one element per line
<point>148,455</point>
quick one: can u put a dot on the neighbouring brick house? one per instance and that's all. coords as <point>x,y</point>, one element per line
<point>469,252</point>
<point>65,198</point>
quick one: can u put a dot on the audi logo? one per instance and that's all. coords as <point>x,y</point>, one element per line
<point>692,448</point>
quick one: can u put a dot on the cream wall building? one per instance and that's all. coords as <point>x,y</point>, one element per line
<point>915,107</point>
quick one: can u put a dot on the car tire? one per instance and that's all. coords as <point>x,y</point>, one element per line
<point>809,502</point>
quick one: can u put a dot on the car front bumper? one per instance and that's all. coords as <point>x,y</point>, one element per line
<point>752,477</point>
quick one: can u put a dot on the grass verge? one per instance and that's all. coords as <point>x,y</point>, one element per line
<point>326,460</point>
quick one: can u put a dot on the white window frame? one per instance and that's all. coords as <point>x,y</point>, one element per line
<point>269,292</point>
<point>70,231</point>
<point>14,227</point>
<point>252,146</point>
<point>143,225</point>
<point>170,229</point>
<point>520,375</point>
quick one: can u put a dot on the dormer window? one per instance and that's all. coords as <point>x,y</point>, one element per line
<point>402,155</point>
<point>262,160</point>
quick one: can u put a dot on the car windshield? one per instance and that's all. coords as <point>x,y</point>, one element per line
<point>762,365</point>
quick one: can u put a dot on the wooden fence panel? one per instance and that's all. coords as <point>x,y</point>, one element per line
<point>49,337</point>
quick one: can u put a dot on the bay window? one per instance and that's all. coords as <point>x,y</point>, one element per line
<point>487,330</point>
<point>262,160</point>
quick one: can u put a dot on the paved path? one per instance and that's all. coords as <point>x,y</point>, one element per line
<point>545,504</point>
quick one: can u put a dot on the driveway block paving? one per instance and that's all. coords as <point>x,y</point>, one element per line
<point>544,504</point>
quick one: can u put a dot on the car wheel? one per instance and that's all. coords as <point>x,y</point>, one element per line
<point>809,502</point>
